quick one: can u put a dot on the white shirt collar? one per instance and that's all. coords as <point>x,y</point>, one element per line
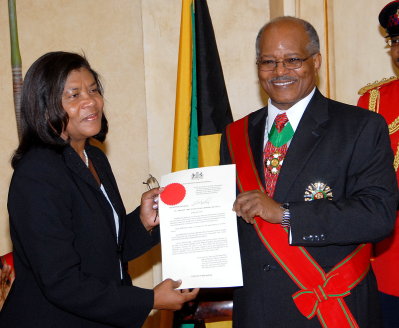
<point>294,113</point>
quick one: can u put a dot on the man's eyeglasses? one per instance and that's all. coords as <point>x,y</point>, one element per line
<point>393,43</point>
<point>289,63</point>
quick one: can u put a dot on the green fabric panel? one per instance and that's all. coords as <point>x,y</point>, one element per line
<point>280,139</point>
<point>193,145</point>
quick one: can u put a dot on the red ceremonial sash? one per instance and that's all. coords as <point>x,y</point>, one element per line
<point>320,293</point>
<point>9,259</point>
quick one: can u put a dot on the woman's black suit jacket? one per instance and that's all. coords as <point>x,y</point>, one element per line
<point>65,246</point>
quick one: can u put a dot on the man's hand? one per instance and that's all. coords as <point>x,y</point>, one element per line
<point>167,297</point>
<point>149,208</point>
<point>256,203</point>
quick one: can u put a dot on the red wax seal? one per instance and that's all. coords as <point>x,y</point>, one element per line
<point>173,194</point>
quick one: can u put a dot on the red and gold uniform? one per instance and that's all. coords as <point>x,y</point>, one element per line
<point>383,98</point>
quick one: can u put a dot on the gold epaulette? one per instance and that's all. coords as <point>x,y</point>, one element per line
<point>376,84</point>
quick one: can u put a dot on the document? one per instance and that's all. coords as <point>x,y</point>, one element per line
<point>199,228</point>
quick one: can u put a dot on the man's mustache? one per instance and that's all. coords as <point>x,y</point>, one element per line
<point>284,78</point>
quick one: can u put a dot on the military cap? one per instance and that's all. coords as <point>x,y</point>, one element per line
<point>389,18</point>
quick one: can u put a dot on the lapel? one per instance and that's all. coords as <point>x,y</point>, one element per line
<point>108,181</point>
<point>310,131</point>
<point>256,132</point>
<point>76,165</point>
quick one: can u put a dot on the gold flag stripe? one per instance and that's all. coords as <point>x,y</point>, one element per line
<point>183,92</point>
<point>219,324</point>
<point>208,149</point>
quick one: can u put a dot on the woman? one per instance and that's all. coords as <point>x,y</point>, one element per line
<point>70,232</point>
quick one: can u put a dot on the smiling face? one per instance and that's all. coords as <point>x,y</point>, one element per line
<point>84,104</point>
<point>281,40</point>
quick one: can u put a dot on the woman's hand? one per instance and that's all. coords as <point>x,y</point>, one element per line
<point>167,297</point>
<point>149,208</point>
<point>7,277</point>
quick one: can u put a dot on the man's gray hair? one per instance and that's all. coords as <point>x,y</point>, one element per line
<point>314,42</point>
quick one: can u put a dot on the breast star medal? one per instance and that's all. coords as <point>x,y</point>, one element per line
<point>274,162</point>
<point>317,190</point>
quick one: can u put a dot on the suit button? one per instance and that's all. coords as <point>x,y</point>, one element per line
<point>305,238</point>
<point>269,267</point>
<point>316,237</point>
<point>323,236</point>
<point>311,237</point>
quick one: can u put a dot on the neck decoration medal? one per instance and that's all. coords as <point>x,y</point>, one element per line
<point>278,139</point>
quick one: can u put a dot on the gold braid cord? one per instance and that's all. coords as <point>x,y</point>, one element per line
<point>393,127</point>
<point>396,160</point>
<point>374,94</point>
<point>376,84</point>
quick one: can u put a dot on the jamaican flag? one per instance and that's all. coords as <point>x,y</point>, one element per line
<point>202,105</point>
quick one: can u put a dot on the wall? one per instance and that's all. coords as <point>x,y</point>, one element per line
<point>359,48</point>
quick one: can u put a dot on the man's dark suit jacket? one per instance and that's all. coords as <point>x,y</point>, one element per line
<point>65,246</point>
<point>348,149</point>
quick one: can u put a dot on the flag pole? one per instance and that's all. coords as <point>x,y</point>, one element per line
<point>16,63</point>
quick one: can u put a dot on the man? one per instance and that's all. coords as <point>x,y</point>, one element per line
<point>383,97</point>
<point>302,238</point>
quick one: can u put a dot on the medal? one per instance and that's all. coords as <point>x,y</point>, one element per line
<point>273,162</point>
<point>318,190</point>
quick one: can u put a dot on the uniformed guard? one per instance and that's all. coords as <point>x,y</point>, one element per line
<point>383,97</point>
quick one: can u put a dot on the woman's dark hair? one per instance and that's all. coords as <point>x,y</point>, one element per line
<point>43,118</point>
